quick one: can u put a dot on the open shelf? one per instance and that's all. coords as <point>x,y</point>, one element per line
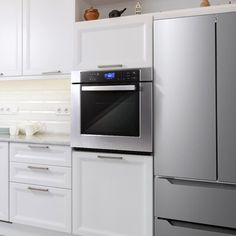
<point>105,6</point>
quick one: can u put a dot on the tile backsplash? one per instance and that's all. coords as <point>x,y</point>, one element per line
<point>47,101</point>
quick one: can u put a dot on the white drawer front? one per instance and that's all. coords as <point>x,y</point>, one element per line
<point>40,174</point>
<point>40,206</point>
<point>40,154</point>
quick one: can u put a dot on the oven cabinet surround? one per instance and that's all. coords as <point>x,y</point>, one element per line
<point>112,194</point>
<point>40,186</point>
<point>4,196</point>
<point>185,120</point>
<point>48,27</point>
<point>119,42</point>
<point>10,38</point>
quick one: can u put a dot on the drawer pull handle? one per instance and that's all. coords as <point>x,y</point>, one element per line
<point>110,157</point>
<point>38,189</point>
<point>110,66</point>
<point>52,72</point>
<point>38,146</point>
<point>38,168</point>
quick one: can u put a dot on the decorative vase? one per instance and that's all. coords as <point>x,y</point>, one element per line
<point>205,3</point>
<point>116,13</point>
<point>91,14</point>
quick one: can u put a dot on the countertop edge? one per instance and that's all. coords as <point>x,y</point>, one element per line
<point>60,140</point>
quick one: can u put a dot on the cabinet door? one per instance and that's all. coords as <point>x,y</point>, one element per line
<point>4,181</point>
<point>120,42</point>
<point>227,96</point>
<point>10,38</point>
<point>112,194</point>
<point>185,132</point>
<point>48,36</point>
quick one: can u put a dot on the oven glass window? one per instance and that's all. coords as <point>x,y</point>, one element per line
<point>113,113</point>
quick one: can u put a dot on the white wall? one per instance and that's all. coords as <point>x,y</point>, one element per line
<point>36,100</point>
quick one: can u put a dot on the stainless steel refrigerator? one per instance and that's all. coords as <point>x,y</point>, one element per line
<point>195,125</point>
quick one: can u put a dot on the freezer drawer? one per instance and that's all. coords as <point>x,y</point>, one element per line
<point>197,202</point>
<point>165,228</point>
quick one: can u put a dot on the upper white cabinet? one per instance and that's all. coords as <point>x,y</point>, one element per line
<point>112,194</point>
<point>48,27</point>
<point>4,182</point>
<point>121,42</point>
<point>10,38</point>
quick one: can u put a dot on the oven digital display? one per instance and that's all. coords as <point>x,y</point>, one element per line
<point>110,75</point>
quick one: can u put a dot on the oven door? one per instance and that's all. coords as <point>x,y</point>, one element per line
<point>112,117</point>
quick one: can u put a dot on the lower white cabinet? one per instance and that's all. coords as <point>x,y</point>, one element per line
<point>40,154</point>
<point>112,194</point>
<point>54,176</point>
<point>40,206</point>
<point>4,215</point>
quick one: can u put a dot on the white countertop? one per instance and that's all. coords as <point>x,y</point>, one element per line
<point>38,139</point>
<point>195,11</point>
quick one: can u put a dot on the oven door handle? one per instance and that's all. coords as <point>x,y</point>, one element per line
<point>109,88</point>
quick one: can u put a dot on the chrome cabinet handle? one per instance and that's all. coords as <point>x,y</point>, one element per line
<point>38,189</point>
<point>51,72</point>
<point>38,146</point>
<point>110,66</point>
<point>109,88</point>
<point>110,157</point>
<point>38,168</point>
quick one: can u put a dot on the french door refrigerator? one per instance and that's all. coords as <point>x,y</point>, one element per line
<point>195,132</point>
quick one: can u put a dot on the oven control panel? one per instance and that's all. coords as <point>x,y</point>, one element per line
<point>112,76</point>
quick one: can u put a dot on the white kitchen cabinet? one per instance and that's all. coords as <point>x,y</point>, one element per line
<point>121,42</point>
<point>54,176</point>
<point>48,27</point>
<point>112,194</point>
<point>4,215</point>
<point>40,206</point>
<point>40,154</point>
<point>10,38</point>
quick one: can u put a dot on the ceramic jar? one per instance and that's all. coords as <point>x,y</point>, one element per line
<point>205,3</point>
<point>91,14</point>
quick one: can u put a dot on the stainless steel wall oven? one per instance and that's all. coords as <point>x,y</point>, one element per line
<point>112,110</point>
